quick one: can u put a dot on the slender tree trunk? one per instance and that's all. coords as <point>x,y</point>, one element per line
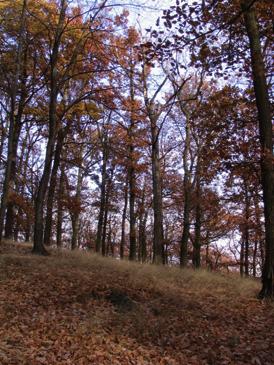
<point>23,155</point>
<point>153,112</point>
<point>132,216</point>
<point>254,263</point>
<point>246,232</point>
<point>166,246</point>
<point>8,170</point>
<point>143,213</point>
<point>38,246</point>
<point>98,247</point>
<point>109,246</point>
<point>122,244</point>
<point>60,207</point>
<point>3,139</point>
<point>75,219</point>
<point>23,168</point>
<point>105,223</point>
<point>15,140</point>
<point>12,120</point>
<point>10,205</point>
<point>158,237</point>
<point>259,233</point>
<point>131,172</point>
<point>242,256</point>
<point>265,132</point>
<point>143,238</point>
<point>187,198</point>
<point>196,259</point>
<point>106,211</point>
<point>52,185</point>
<point>75,230</point>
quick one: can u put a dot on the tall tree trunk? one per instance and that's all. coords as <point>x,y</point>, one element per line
<point>109,249</point>
<point>3,139</point>
<point>38,246</point>
<point>259,234</point>
<point>196,259</point>
<point>187,197</point>
<point>158,234</point>
<point>143,238</point>
<point>132,216</point>
<point>166,244</point>
<point>8,171</point>
<point>105,224</point>
<point>246,231</point>
<point>131,172</point>
<point>265,132</point>
<point>124,216</point>
<point>98,246</point>
<point>9,225</point>
<point>242,255</point>
<point>254,262</point>
<point>23,168</point>
<point>12,120</point>
<point>60,207</point>
<point>106,211</point>
<point>17,131</point>
<point>75,218</point>
<point>143,213</point>
<point>53,179</point>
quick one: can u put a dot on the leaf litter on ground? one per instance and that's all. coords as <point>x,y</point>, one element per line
<point>79,308</point>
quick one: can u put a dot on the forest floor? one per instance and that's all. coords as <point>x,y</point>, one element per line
<point>80,309</point>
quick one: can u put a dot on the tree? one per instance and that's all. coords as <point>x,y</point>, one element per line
<point>226,20</point>
<point>18,79</point>
<point>266,139</point>
<point>38,246</point>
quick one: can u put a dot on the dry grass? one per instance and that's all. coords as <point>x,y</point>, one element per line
<point>162,278</point>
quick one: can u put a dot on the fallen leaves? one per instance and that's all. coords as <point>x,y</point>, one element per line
<point>55,313</point>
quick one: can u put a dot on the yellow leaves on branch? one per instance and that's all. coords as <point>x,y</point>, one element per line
<point>85,108</point>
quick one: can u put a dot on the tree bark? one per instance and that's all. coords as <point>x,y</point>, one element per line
<point>131,172</point>
<point>187,197</point>
<point>158,237</point>
<point>106,210</point>
<point>242,251</point>
<point>98,246</point>
<point>196,259</point>
<point>52,185</point>
<point>124,216</point>
<point>143,239</point>
<point>143,214</point>
<point>75,217</point>
<point>12,120</point>
<point>9,225</point>
<point>132,216</point>
<point>246,231</point>
<point>3,138</point>
<point>266,140</point>
<point>60,207</point>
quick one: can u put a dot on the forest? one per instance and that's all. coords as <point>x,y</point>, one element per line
<point>144,142</point>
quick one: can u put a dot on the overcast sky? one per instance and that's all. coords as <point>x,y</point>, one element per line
<point>143,13</point>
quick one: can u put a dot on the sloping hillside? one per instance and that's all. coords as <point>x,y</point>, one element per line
<point>76,308</point>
